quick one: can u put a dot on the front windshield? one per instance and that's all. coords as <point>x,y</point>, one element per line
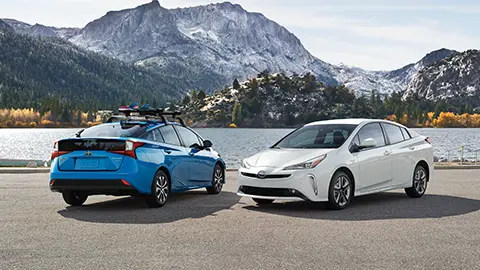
<point>317,136</point>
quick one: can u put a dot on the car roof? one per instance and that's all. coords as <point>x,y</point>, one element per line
<point>350,121</point>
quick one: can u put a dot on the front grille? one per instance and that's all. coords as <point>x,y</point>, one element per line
<point>270,176</point>
<point>271,192</point>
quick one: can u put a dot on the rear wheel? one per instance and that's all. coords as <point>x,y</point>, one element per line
<point>340,192</point>
<point>160,190</point>
<point>218,179</point>
<point>74,198</point>
<point>262,201</point>
<point>420,180</point>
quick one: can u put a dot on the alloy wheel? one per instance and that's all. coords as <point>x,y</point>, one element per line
<point>161,189</point>
<point>218,182</point>
<point>420,181</point>
<point>342,191</point>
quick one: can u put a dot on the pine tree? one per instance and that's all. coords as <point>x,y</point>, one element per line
<point>236,84</point>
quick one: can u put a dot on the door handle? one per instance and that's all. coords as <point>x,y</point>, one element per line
<point>387,153</point>
<point>167,151</point>
<point>412,148</point>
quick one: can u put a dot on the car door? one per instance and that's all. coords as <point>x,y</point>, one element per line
<point>374,164</point>
<point>201,169</point>
<point>401,157</point>
<point>177,158</point>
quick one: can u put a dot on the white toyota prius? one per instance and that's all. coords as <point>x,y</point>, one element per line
<point>333,161</point>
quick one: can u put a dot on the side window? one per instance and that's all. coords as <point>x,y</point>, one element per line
<point>373,131</point>
<point>158,136</point>
<point>149,136</point>
<point>406,135</point>
<point>189,138</point>
<point>169,135</point>
<point>394,133</point>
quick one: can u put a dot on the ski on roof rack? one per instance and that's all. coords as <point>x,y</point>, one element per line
<point>137,113</point>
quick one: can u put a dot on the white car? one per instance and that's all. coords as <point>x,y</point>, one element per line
<point>333,161</point>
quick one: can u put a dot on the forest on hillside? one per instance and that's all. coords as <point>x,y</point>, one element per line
<point>50,74</point>
<point>277,100</point>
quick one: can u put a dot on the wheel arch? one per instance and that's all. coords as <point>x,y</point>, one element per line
<point>424,164</point>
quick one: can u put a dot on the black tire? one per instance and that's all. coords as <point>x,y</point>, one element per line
<point>218,179</point>
<point>160,190</point>
<point>262,201</point>
<point>419,183</point>
<point>74,198</point>
<point>340,191</point>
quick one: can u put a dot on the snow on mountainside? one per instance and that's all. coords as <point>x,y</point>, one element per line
<point>455,77</point>
<point>364,81</point>
<point>39,30</point>
<point>386,82</point>
<point>209,46</point>
<point>405,75</point>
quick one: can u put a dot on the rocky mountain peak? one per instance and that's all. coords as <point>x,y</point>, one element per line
<point>436,56</point>
<point>457,76</point>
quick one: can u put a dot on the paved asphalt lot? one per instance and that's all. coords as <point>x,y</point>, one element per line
<point>199,231</point>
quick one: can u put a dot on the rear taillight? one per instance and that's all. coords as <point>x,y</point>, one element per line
<point>57,153</point>
<point>428,140</point>
<point>130,148</point>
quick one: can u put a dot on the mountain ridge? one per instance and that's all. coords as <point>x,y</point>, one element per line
<point>209,46</point>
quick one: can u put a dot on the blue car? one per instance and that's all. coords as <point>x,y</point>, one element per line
<point>151,159</point>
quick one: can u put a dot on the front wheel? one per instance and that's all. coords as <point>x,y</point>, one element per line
<point>218,179</point>
<point>420,180</point>
<point>74,198</point>
<point>340,192</point>
<point>160,190</point>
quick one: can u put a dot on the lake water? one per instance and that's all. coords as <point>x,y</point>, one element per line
<point>232,144</point>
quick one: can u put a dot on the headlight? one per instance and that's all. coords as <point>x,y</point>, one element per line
<point>310,164</point>
<point>246,165</point>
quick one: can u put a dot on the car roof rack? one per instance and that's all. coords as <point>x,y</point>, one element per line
<point>146,114</point>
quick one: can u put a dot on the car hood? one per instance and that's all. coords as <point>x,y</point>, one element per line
<point>284,157</point>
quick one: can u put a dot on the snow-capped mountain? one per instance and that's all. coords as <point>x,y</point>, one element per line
<point>213,44</point>
<point>386,82</point>
<point>209,46</point>
<point>39,30</point>
<point>457,76</point>
<point>405,75</point>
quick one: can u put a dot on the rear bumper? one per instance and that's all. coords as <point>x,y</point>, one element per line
<point>138,174</point>
<point>94,187</point>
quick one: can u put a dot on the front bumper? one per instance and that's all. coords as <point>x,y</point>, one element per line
<point>300,185</point>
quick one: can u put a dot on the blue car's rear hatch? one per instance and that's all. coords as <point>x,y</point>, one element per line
<point>91,154</point>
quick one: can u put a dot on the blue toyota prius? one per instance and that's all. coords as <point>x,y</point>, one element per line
<point>144,155</point>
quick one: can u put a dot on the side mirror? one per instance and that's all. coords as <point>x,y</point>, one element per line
<point>368,143</point>
<point>354,148</point>
<point>207,144</point>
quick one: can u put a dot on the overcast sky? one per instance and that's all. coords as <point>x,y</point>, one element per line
<point>371,34</point>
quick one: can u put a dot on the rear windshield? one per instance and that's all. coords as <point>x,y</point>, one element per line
<point>317,136</point>
<point>113,130</point>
